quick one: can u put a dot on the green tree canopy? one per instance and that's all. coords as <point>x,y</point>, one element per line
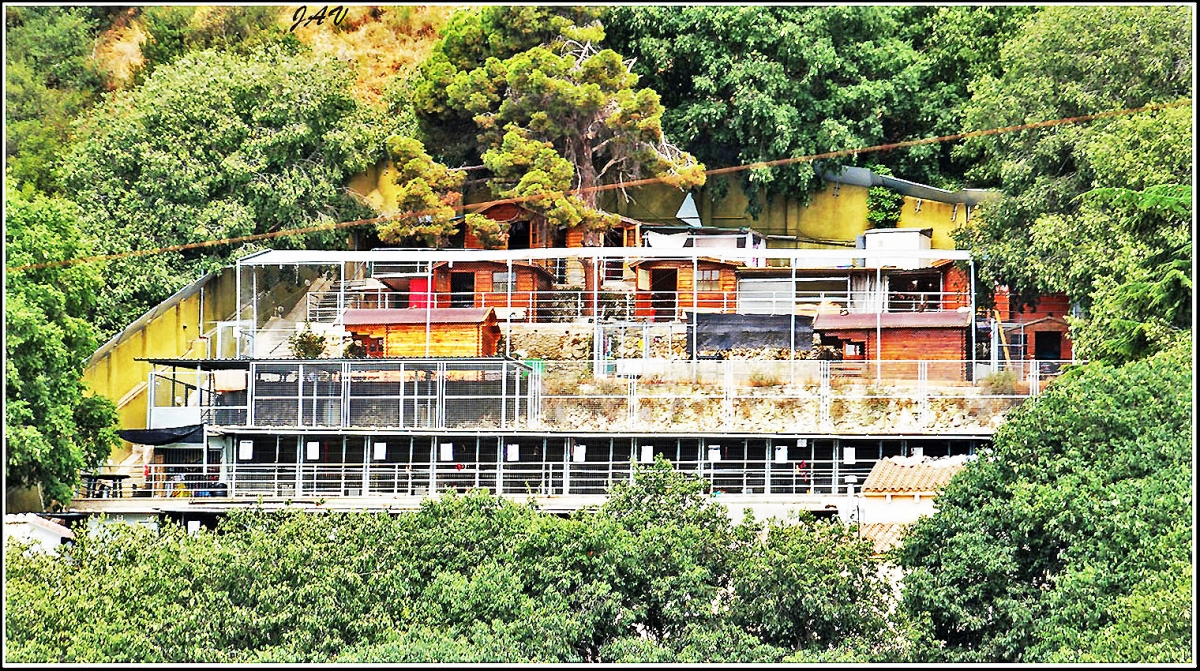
<point>217,145</point>
<point>749,84</point>
<point>1069,539</point>
<point>557,116</point>
<point>49,78</point>
<point>52,428</point>
<point>466,578</point>
<point>1066,62</point>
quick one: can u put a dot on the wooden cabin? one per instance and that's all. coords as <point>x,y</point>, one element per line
<point>479,284</point>
<point>452,332</point>
<point>666,287</point>
<point>1035,333</point>
<point>897,335</point>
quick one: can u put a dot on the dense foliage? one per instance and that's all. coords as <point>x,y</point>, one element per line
<point>1070,540</point>
<point>216,145</point>
<point>52,429</point>
<point>1044,235</point>
<point>758,83</point>
<point>657,573</point>
<point>559,116</point>
<point>49,79</point>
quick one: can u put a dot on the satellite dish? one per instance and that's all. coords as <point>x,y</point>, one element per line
<point>688,212</point>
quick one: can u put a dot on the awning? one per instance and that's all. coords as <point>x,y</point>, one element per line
<point>192,433</point>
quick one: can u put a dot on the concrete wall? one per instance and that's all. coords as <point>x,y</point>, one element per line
<point>835,214</point>
<point>172,329</point>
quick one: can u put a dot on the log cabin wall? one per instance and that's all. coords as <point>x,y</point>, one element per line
<point>723,299</point>
<point>445,340</point>
<point>529,281</point>
<point>905,344</point>
<point>956,288</point>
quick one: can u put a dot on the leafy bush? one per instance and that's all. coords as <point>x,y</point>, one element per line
<point>307,344</point>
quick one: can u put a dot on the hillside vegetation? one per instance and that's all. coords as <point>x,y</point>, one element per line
<point>132,129</point>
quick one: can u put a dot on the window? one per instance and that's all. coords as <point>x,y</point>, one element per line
<point>708,280</point>
<point>501,282</point>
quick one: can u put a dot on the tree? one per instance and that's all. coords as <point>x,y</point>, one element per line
<point>557,117</point>
<point>49,79</point>
<point>809,585</point>
<point>1067,62</point>
<point>217,145</point>
<point>427,195</point>
<point>53,429</point>
<point>749,84</point>
<point>1047,547</point>
<point>467,41</point>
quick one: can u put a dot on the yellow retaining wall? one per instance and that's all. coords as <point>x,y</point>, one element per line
<point>172,329</point>
<point>836,215</point>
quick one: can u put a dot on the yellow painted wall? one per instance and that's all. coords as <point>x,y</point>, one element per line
<point>836,214</point>
<point>172,330</point>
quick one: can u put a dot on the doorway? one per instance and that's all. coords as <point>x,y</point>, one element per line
<point>662,293</point>
<point>462,290</point>
<point>1047,345</point>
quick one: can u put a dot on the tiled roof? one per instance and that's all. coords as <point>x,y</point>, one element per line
<point>39,522</point>
<point>883,535</point>
<point>911,475</point>
<point>358,316</point>
<point>893,320</point>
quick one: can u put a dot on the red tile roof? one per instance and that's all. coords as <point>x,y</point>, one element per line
<point>910,475</point>
<point>893,320</point>
<point>361,316</point>
<point>883,535</point>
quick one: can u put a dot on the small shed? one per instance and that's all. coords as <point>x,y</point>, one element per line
<point>482,284</point>
<point>666,287</point>
<point>451,332</point>
<point>903,336</point>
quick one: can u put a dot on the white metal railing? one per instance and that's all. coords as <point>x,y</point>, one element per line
<point>566,305</point>
<point>649,394</point>
<point>789,477</point>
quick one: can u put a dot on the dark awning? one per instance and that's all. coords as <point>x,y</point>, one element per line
<point>192,433</point>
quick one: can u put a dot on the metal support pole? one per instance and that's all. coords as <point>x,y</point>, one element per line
<point>971,290</point>
<point>879,321</point>
<point>509,284</point>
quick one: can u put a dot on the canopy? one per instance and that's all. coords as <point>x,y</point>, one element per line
<point>192,433</point>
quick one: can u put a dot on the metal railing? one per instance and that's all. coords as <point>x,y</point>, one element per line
<point>635,395</point>
<point>567,305</point>
<point>539,478</point>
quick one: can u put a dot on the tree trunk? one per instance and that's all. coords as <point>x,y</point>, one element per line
<point>586,170</point>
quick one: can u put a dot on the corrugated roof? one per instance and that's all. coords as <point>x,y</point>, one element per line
<point>911,475</point>
<point>883,535</point>
<point>359,316</point>
<point>892,320</point>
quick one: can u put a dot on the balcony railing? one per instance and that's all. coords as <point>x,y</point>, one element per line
<point>559,306</point>
<point>540,478</point>
<point>627,395</point>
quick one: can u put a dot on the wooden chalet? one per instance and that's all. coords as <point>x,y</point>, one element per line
<point>451,332</point>
<point>1035,333</point>
<point>897,335</point>
<point>666,288</point>
<point>479,284</point>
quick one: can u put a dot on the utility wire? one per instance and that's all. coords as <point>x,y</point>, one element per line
<point>606,187</point>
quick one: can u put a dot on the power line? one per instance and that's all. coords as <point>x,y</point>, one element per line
<point>606,187</point>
